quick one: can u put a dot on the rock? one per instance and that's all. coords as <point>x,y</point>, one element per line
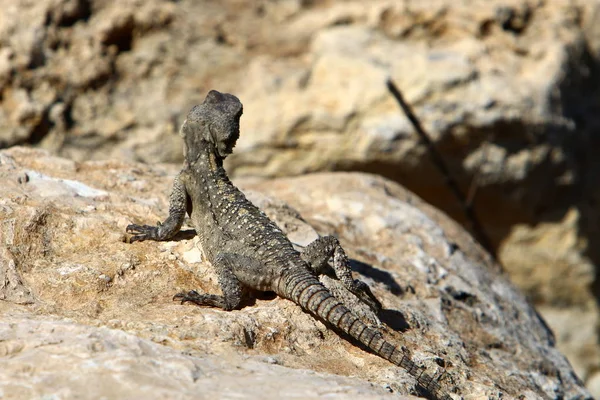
<point>506,88</point>
<point>86,362</point>
<point>594,383</point>
<point>102,307</point>
<point>575,334</point>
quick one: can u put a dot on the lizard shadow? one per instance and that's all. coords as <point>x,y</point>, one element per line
<point>377,275</point>
<point>392,318</point>
<point>186,234</point>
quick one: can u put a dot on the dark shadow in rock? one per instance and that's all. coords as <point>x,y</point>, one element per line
<point>580,101</point>
<point>462,296</point>
<point>264,295</point>
<point>248,300</point>
<point>551,188</point>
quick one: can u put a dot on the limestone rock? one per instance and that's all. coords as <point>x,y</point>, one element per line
<point>508,89</point>
<point>102,307</point>
<point>69,360</point>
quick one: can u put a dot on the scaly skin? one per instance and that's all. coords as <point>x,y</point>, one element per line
<point>247,249</point>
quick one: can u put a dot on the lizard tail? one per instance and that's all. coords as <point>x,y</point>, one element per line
<point>305,289</point>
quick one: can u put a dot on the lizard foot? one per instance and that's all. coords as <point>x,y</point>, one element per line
<point>201,299</point>
<point>192,296</point>
<point>141,232</point>
<point>363,292</point>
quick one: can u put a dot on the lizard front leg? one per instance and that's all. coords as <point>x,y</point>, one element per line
<point>318,253</point>
<point>178,205</point>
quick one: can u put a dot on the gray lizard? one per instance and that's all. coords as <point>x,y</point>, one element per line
<point>247,249</point>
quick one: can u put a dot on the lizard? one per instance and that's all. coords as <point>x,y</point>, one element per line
<point>248,250</point>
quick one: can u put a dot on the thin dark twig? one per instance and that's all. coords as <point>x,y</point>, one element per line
<point>472,192</point>
<point>438,161</point>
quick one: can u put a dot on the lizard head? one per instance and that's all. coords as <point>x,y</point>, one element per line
<point>215,122</point>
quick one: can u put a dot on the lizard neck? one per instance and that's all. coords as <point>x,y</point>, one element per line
<point>208,164</point>
<point>212,178</point>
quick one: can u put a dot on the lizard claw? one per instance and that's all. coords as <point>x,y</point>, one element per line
<point>363,292</point>
<point>141,232</point>
<point>191,296</point>
<point>203,299</point>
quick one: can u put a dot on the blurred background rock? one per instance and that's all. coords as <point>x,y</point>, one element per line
<point>508,89</point>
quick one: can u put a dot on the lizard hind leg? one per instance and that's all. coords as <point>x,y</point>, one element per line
<point>231,287</point>
<point>318,253</point>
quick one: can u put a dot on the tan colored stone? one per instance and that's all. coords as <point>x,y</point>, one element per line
<point>507,89</point>
<point>56,357</point>
<point>575,331</point>
<point>97,303</point>
<point>530,257</point>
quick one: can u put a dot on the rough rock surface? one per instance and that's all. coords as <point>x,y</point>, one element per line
<point>71,361</point>
<point>80,304</point>
<point>508,89</point>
